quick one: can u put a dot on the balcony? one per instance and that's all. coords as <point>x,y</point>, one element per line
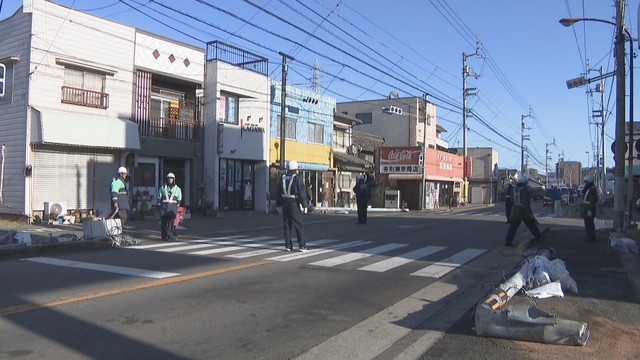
<point>84,97</point>
<point>181,122</point>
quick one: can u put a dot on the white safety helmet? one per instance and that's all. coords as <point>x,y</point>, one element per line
<point>293,165</point>
<point>122,170</point>
<point>360,177</point>
<point>588,179</point>
<point>170,175</point>
<point>523,178</point>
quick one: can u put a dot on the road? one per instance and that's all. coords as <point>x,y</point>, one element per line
<point>358,293</point>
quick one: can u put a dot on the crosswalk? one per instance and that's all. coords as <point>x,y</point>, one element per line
<point>325,253</point>
<point>491,212</point>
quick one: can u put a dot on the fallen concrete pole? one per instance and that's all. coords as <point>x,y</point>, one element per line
<point>523,322</point>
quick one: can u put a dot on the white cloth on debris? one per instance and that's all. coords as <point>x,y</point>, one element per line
<point>546,291</point>
<point>623,245</point>
<point>539,271</point>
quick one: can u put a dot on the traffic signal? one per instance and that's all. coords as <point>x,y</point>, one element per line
<point>392,110</point>
<point>3,75</point>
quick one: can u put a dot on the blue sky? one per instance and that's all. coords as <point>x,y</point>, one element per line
<point>368,48</point>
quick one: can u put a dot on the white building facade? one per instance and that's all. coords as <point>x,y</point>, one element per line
<point>72,114</point>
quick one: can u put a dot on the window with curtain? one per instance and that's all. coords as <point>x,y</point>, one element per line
<point>228,108</point>
<point>340,139</point>
<point>316,133</point>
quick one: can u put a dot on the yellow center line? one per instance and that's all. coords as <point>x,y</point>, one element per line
<point>10,310</point>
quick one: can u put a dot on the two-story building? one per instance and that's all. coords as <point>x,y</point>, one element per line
<point>307,138</point>
<point>73,112</point>
<point>236,140</point>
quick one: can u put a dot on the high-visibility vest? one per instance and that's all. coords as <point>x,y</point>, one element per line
<point>286,188</point>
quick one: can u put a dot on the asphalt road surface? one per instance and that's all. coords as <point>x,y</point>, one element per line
<point>358,293</point>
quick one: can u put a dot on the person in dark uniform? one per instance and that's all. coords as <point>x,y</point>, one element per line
<point>293,202</point>
<point>508,200</point>
<point>588,207</point>
<point>120,196</point>
<point>363,194</point>
<point>521,211</point>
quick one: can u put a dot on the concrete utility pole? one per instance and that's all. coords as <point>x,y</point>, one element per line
<point>601,173</point>
<point>466,72</point>
<point>618,200</point>
<point>523,137</point>
<point>546,160</point>
<point>283,100</point>
<point>423,155</point>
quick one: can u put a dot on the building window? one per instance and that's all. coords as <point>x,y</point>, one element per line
<point>228,109</point>
<point>366,118</point>
<point>84,88</point>
<point>316,133</point>
<point>290,131</point>
<point>340,139</point>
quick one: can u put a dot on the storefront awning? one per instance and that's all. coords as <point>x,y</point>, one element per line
<point>443,178</point>
<point>419,177</point>
<point>67,128</point>
<point>313,166</point>
<point>348,162</point>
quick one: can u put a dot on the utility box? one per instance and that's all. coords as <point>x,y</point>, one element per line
<point>392,199</point>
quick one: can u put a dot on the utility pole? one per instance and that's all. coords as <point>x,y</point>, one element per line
<point>601,173</point>
<point>546,160</point>
<point>466,72</point>
<point>283,100</point>
<point>423,155</point>
<point>619,157</point>
<point>523,137</point>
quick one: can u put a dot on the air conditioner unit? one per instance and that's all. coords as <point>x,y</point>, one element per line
<point>53,209</point>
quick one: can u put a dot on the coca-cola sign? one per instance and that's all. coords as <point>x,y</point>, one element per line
<point>400,160</point>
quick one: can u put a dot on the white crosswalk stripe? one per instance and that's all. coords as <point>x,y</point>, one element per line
<point>239,247</point>
<point>441,268</point>
<point>272,250</point>
<point>396,261</point>
<point>357,255</point>
<point>315,252</point>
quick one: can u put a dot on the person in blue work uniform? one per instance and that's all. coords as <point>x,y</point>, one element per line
<point>588,207</point>
<point>169,197</point>
<point>292,202</point>
<point>120,196</point>
<point>521,211</point>
<point>363,194</point>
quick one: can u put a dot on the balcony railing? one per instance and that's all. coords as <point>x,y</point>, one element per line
<point>84,97</point>
<point>170,129</point>
<point>176,123</point>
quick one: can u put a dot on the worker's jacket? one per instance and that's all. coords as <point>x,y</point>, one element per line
<point>119,194</point>
<point>589,201</point>
<point>169,198</point>
<point>291,188</point>
<point>521,209</point>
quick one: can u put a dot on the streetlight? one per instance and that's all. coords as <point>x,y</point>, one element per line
<point>588,164</point>
<point>620,150</point>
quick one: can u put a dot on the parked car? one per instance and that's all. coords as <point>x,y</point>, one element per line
<point>573,196</point>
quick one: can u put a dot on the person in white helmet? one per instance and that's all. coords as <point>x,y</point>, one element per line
<point>293,202</point>
<point>169,197</point>
<point>588,207</point>
<point>120,196</point>
<point>521,211</point>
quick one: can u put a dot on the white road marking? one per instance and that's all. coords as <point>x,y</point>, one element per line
<point>244,255</point>
<point>314,252</point>
<point>441,268</point>
<point>339,260</point>
<point>400,260</point>
<point>233,248</point>
<point>101,267</point>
